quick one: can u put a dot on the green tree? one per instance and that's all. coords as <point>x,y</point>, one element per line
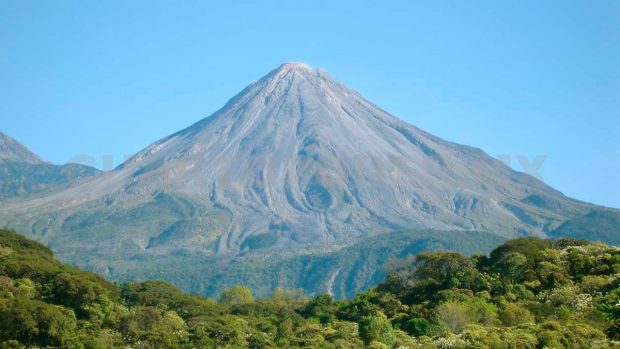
<point>611,312</point>
<point>512,314</point>
<point>418,327</point>
<point>448,269</point>
<point>34,322</point>
<point>513,266</point>
<point>237,295</point>
<point>376,328</point>
<point>454,316</point>
<point>163,329</point>
<point>322,307</point>
<point>530,247</point>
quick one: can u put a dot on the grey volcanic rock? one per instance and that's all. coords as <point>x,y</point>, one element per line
<point>295,162</point>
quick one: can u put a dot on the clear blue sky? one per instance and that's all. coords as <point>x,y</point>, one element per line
<point>511,77</point>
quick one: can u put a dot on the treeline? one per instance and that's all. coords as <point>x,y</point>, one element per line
<point>528,293</point>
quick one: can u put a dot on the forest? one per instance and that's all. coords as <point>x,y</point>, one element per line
<point>527,293</point>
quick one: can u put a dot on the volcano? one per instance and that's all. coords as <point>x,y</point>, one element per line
<point>295,164</point>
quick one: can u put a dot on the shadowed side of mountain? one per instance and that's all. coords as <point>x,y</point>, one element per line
<point>23,173</point>
<point>598,225</point>
<point>19,179</point>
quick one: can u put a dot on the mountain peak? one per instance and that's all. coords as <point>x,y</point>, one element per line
<point>288,71</point>
<point>12,150</point>
<point>294,65</point>
<point>300,151</point>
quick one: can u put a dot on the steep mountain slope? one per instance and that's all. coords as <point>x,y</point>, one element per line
<point>296,163</point>
<point>23,173</point>
<point>12,150</point>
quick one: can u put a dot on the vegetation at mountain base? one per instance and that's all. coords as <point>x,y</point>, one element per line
<point>597,225</point>
<point>342,273</point>
<point>527,293</point>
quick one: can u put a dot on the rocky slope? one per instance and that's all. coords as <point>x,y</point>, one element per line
<point>12,150</point>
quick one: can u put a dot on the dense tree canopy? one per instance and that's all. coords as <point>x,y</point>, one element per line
<point>529,293</point>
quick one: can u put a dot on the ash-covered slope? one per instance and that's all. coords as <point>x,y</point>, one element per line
<point>294,162</point>
<point>300,152</point>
